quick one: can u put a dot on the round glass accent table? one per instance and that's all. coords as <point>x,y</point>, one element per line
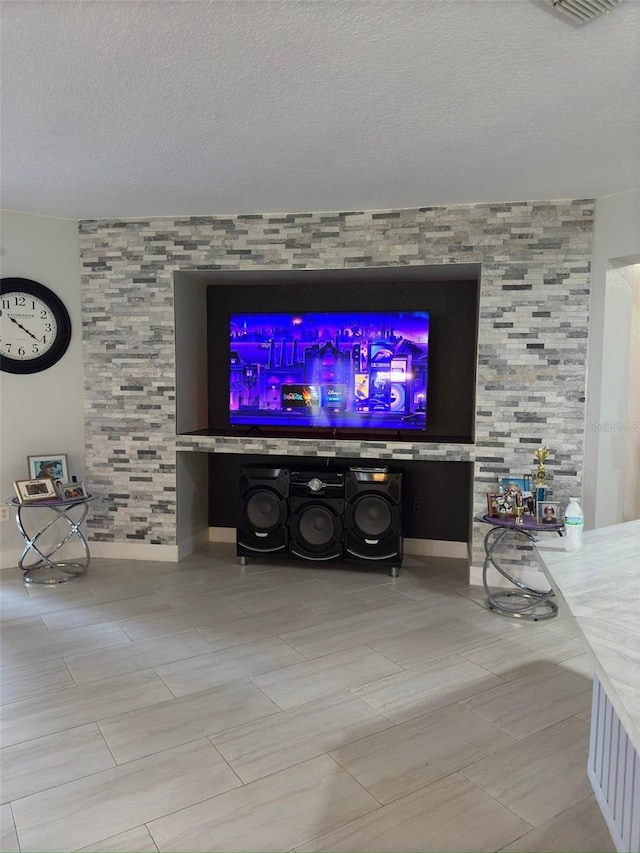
<point>45,567</point>
<point>523,602</point>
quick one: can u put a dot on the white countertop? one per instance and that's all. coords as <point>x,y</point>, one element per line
<point>600,586</point>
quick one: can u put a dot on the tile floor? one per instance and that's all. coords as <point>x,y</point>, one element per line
<point>280,706</point>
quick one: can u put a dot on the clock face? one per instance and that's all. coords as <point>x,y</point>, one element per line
<point>34,326</point>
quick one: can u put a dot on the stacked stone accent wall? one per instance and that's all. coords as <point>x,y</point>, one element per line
<point>533,332</point>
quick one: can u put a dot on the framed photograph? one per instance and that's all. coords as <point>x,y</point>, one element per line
<point>493,510</point>
<point>516,488</point>
<point>548,512</point>
<point>53,465</point>
<point>73,491</point>
<point>40,489</point>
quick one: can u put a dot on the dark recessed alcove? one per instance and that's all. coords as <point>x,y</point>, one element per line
<point>436,495</point>
<point>449,293</point>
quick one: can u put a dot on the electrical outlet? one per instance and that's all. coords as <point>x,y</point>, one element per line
<point>5,515</point>
<point>416,507</point>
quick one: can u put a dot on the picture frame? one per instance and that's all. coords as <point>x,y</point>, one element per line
<point>518,488</point>
<point>73,492</point>
<point>493,510</point>
<point>53,465</point>
<point>35,490</point>
<point>548,512</point>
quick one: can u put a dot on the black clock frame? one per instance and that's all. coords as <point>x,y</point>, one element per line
<point>63,322</point>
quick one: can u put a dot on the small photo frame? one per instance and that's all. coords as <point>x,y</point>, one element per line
<point>493,510</point>
<point>73,492</point>
<point>38,489</point>
<point>516,488</point>
<point>548,512</point>
<point>53,465</point>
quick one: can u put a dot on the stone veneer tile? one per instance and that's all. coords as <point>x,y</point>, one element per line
<point>532,344</point>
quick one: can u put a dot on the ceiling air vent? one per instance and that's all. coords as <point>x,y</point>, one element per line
<point>579,12</point>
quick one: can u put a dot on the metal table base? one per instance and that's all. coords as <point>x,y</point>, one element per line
<point>46,569</point>
<point>523,602</point>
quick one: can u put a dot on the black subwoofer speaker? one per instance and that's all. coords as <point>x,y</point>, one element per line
<point>262,511</point>
<point>316,510</point>
<point>373,531</point>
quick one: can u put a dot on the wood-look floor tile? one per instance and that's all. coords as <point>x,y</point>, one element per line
<point>431,599</point>
<point>76,706</point>
<point>97,807</point>
<point>355,602</point>
<point>37,647</point>
<point>422,645</point>
<point>409,756</point>
<point>22,625</point>
<point>448,815</point>
<point>179,619</point>
<point>250,628</point>
<point>540,776</point>
<point>220,667</point>
<point>191,594</point>
<point>139,654</point>
<point>8,835</point>
<point>530,704</point>
<point>515,658</point>
<point>415,692</point>
<point>188,718</point>
<point>291,737</point>
<point>49,761</point>
<point>579,829</point>
<point>339,634</point>
<point>22,682</point>
<point>315,679</point>
<point>92,614</point>
<point>279,597</point>
<point>15,605</point>
<point>136,840</point>
<point>275,813</point>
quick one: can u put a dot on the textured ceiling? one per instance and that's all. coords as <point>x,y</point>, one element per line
<point>112,108</point>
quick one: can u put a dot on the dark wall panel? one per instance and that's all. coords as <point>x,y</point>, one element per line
<point>450,293</point>
<point>436,496</point>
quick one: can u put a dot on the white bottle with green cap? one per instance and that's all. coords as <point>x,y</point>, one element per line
<point>573,525</point>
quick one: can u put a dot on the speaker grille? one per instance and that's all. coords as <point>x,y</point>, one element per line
<point>262,510</point>
<point>372,516</point>
<point>317,526</point>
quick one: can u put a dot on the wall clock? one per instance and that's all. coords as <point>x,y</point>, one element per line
<point>35,328</point>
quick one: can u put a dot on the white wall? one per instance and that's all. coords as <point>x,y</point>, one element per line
<point>41,413</point>
<point>616,244</point>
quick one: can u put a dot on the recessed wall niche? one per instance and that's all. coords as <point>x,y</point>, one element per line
<point>449,293</point>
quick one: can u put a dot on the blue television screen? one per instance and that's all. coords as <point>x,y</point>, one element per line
<point>344,369</point>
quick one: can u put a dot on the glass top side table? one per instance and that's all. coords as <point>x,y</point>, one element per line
<point>522,602</point>
<point>45,568</point>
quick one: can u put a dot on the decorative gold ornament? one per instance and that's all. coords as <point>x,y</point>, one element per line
<point>541,455</point>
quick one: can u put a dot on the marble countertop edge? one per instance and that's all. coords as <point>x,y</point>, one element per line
<point>600,588</point>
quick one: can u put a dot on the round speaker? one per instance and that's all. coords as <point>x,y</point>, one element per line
<point>262,510</point>
<point>317,526</point>
<point>372,516</point>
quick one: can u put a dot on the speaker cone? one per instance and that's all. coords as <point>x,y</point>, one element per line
<point>372,516</point>
<point>316,526</point>
<point>262,510</point>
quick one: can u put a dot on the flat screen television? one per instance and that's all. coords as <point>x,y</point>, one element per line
<point>353,370</point>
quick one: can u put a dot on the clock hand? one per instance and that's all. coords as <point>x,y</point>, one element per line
<point>20,326</point>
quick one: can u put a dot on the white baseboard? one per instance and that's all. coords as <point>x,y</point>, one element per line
<point>134,551</point>
<point>9,558</point>
<point>192,543</point>
<point>222,534</point>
